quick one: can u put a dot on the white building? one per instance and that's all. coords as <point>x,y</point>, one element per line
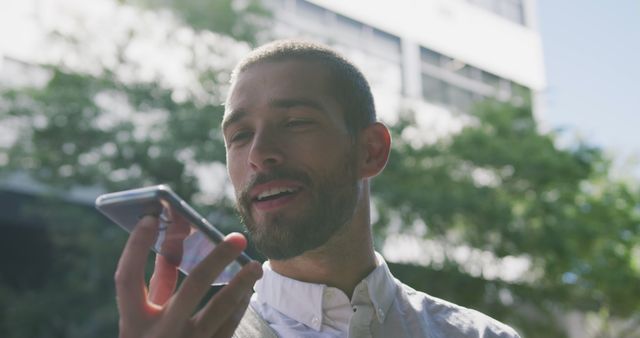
<point>436,56</point>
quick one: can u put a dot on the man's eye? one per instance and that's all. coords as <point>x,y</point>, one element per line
<point>240,136</point>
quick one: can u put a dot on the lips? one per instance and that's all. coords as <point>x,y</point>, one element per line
<point>275,194</point>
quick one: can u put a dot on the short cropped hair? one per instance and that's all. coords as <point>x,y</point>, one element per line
<point>349,86</point>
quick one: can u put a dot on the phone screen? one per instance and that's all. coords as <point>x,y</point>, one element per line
<point>184,237</point>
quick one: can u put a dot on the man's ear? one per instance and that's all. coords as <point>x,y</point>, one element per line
<point>375,144</point>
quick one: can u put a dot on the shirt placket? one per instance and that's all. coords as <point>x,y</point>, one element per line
<point>363,313</point>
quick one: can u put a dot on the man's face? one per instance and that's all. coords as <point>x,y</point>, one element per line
<point>290,157</point>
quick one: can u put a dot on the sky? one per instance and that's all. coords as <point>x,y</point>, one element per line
<point>592,60</point>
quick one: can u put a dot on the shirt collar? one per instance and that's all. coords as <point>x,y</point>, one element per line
<point>303,301</point>
<point>382,288</point>
<point>297,300</point>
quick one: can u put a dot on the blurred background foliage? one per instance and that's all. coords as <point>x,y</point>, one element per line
<point>502,186</point>
<point>499,186</point>
<point>245,20</point>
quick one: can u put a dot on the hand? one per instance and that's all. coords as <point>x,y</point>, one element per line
<point>161,312</point>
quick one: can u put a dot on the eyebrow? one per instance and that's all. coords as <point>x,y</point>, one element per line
<point>233,117</point>
<point>236,115</point>
<point>297,102</point>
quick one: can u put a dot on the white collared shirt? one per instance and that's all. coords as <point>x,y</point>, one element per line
<point>381,306</point>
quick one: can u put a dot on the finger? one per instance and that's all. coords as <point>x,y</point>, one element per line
<point>163,282</point>
<point>228,301</point>
<point>198,282</point>
<point>231,324</point>
<point>129,277</point>
<point>176,230</point>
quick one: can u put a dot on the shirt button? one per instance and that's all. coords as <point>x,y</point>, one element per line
<point>380,312</point>
<point>315,321</point>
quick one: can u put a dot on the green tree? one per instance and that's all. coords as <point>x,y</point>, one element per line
<point>229,17</point>
<point>502,186</point>
<point>108,128</point>
<point>103,128</point>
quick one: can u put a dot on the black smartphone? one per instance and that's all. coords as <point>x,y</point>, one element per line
<point>184,237</point>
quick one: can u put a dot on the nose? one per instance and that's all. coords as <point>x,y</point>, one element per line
<point>266,151</point>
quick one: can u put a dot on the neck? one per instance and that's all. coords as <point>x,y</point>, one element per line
<point>342,262</point>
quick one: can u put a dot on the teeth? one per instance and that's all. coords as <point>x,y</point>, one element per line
<point>274,191</point>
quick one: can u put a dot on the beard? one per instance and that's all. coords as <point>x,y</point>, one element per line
<point>331,207</point>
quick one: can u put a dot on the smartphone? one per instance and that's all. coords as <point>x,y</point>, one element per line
<point>184,237</point>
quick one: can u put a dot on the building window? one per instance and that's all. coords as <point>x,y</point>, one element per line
<point>491,5</point>
<point>348,26</point>
<point>310,11</point>
<point>452,83</point>
<point>461,100</point>
<point>440,92</point>
<point>435,90</point>
<point>512,10</point>
<point>386,41</point>
<point>491,80</point>
<point>520,94</point>
<point>429,56</point>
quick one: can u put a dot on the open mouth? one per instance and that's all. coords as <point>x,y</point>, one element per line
<point>269,195</point>
<point>275,193</point>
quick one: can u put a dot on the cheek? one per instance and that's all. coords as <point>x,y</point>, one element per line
<point>235,171</point>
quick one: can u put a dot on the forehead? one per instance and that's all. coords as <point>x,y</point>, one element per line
<point>269,80</point>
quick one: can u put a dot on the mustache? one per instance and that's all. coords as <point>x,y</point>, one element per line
<point>275,174</point>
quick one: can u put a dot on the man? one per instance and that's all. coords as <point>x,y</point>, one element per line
<point>302,144</point>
